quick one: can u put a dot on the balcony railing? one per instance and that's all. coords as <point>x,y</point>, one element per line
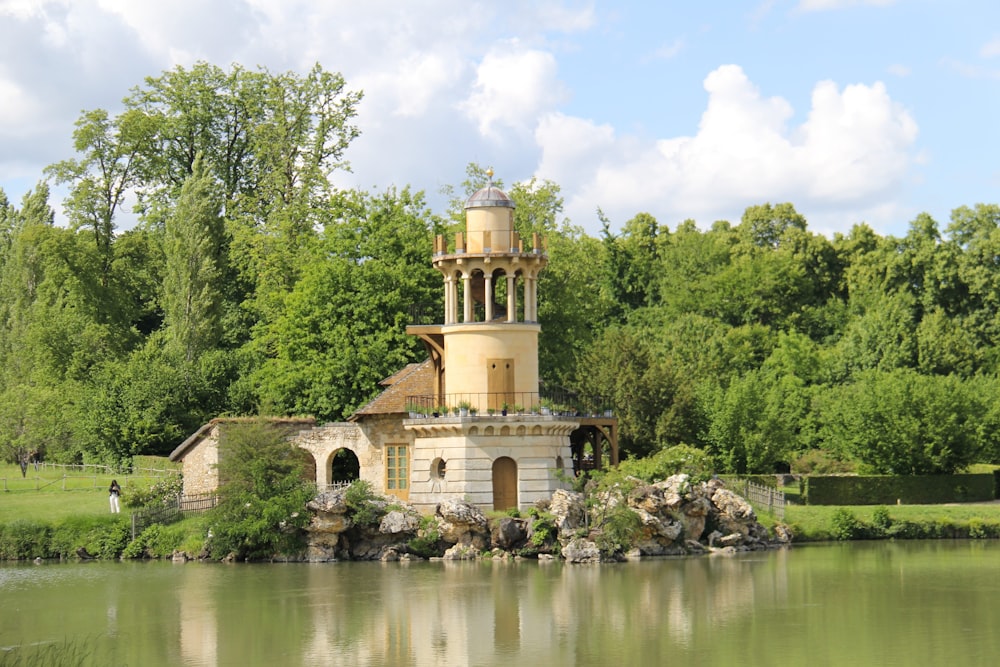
<point>561,403</point>
<point>426,313</point>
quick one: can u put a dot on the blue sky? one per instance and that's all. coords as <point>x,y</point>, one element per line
<point>853,110</point>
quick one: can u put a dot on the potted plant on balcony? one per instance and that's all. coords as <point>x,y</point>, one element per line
<point>463,408</point>
<point>504,408</point>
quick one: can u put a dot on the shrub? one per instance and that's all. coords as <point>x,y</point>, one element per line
<point>25,539</point>
<point>543,528</point>
<point>846,526</point>
<point>137,547</point>
<point>670,461</point>
<point>426,543</point>
<point>618,531</point>
<point>113,540</point>
<point>881,521</point>
<point>163,492</point>
<point>366,507</point>
<point>262,495</point>
<point>820,462</point>
<point>978,529</point>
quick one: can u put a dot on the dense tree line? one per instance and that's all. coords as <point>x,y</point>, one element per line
<point>251,286</point>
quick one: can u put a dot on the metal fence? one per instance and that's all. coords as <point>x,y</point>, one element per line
<point>764,498</point>
<point>171,511</point>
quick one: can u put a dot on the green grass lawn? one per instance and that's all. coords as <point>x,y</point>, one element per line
<point>814,522</point>
<point>52,494</point>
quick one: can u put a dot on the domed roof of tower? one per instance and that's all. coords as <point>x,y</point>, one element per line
<point>489,196</point>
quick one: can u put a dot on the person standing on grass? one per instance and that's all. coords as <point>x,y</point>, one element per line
<point>115,491</point>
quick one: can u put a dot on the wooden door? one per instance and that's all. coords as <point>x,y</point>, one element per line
<point>504,483</point>
<point>397,471</point>
<point>500,382</point>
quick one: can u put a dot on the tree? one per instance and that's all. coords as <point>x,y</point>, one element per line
<point>903,423</point>
<point>653,401</point>
<point>110,167</point>
<point>145,403</point>
<point>763,226</point>
<point>633,261</point>
<point>342,328</point>
<point>192,244</point>
<point>753,423</point>
<point>538,207</point>
<point>262,492</point>
<point>572,307</point>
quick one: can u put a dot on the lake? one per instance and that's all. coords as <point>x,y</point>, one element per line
<point>879,603</point>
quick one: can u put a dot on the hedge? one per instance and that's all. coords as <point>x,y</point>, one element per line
<point>890,489</point>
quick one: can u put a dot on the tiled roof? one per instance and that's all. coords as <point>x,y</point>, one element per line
<point>412,380</point>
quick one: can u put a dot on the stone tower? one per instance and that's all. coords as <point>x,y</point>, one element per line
<point>499,450</point>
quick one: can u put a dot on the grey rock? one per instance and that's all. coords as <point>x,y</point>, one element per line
<point>508,532</point>
<point>396,522</point>
<point>581,550</point>
<point>569,510</point>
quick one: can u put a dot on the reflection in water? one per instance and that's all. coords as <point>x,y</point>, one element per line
<point>451,613</point>
<point>886,604</point>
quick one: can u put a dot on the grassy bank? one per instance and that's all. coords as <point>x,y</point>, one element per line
<point>40,519</point>
<point>812,523</point>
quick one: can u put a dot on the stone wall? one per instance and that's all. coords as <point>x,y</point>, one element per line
<point>201,474</point>
<point>468,447</point>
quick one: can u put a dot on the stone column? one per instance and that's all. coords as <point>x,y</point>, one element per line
<point>467,297</point>
<point>511,298</point>
<point>488,295</point>
<point>450,297</point>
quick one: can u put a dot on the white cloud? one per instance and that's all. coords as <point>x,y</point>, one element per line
<point>514,86</point>
<point>18,110</point>
<point>852,152</point>
<point>899,70</point>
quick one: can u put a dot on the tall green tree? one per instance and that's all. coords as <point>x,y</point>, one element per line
<point>342,328</point>
<point>654,401</point>
<point>193,242</point>
<point>109,167</point>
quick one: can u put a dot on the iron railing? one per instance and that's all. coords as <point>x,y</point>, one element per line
<point>559,403</point>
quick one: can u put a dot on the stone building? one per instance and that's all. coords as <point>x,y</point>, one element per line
<point>470,421</point>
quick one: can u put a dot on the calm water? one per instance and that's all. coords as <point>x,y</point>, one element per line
<point>917,603</point>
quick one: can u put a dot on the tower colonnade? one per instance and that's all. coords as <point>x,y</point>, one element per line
<point>472,280</point>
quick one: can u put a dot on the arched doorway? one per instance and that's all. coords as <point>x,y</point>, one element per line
<point>344,467</point>
<point>504,483</point>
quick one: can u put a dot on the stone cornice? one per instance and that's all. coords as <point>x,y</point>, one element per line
<point>491,426</point>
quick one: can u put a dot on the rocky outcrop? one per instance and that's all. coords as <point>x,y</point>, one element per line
<point>672,517</point>
<point>460,522</point>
